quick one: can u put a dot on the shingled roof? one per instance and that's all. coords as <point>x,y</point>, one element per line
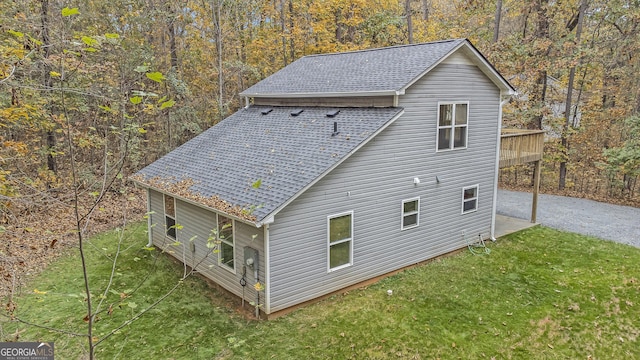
<point>383,71</point>
<point>286,153</point>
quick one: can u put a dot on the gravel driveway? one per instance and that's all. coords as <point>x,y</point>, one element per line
<point>606,221</point>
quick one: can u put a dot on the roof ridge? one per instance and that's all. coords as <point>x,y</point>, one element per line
<point>382,48</point>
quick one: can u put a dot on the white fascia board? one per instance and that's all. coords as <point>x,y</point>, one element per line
<point>488,69</point>
<point>271,215</point>
<point>327,94</point>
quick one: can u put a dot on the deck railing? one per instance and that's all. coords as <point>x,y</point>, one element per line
<point>518,146</point>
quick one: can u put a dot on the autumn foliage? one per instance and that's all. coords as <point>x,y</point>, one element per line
<point>112,85</point>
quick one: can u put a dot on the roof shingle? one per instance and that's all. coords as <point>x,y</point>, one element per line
<point>387,69</point>
<point>286,153</point>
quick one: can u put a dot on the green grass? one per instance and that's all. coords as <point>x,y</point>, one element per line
<point>540,294</point>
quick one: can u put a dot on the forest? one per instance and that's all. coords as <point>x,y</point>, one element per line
<point>92,91</point>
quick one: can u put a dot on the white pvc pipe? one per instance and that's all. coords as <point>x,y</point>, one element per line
<point>149,229</point>
<point>495,179</point>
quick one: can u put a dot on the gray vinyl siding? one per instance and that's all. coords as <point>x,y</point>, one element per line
<point>197,224</point>
<point>373,182</point>
<point>157,217</point>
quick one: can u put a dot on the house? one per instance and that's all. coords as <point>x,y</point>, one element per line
<point>341,168</point>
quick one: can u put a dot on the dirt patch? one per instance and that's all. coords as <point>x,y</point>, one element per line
<point>36,235</point>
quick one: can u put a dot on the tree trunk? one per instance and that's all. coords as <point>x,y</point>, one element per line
<point>284,38</point>
<point>539,100</point>
<point>292,49</point>
<point>426,9</point>
<point>542,33</point>
<point>218,37</point>
<point>47,82</point>
<point>407,12</point>
<point>496,26</point>
<point>172,37</point>
<point>568,104</point>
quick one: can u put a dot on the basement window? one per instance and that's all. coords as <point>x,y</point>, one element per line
<point>469,199</point>
<point>452,126</point>
<point>170,216</point>
<point>227,245</point>
<point>410,213</point>
<point>340,240</point>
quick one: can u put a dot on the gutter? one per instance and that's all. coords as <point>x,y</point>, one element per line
<point>200,205</point>
<point>323,94</point>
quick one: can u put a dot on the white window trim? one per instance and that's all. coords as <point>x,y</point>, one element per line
<point>233,233</point>
<point>452,127</point>
<point>403,214</point>
<point>350,263</point>
<point>476,198</point>
<point>174,217</point>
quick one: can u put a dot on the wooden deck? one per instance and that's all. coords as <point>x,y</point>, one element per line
<point>518,147</point>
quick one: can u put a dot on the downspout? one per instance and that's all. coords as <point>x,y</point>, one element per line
<point>149,228</point>
<point>267,272</point>
<point>495,178</point>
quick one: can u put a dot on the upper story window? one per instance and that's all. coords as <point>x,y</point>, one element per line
<point>340,234</point>
<point>452,125</point>
<point>410,213</point>
<point>469,199</point>
<point>170,216</point>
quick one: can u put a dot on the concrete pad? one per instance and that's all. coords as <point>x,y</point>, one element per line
<point>506,225</point>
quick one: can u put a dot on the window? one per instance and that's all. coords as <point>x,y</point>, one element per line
<point>170,216</point>
<point>225,235</point>
<point>469,199</point>
<point>340,229</point>
<point>452,126</point>
<point>410,213</point>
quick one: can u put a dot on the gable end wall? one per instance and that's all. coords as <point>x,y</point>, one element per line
<point>375,180</point>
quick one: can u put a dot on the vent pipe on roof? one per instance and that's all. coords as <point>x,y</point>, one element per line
<point>335,129</point>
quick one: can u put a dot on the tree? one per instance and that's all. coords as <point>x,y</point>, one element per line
<point>496,26</point>
<point>82,60</point>
<point>625,160</point>
<point>569,103</point>
<point>407,12</point>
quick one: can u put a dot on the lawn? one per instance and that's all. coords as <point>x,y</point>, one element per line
<point>539,294</point>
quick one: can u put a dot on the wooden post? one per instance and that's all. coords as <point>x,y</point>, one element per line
<point>536,188</point>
